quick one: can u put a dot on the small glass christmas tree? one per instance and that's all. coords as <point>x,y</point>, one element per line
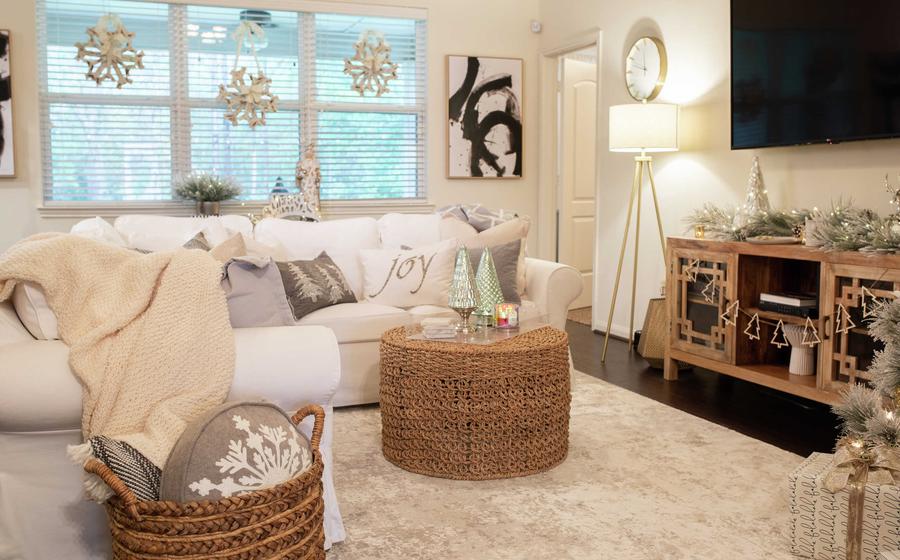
<point>757,201</point>
<point>463,293</point>
<point>489,292</point>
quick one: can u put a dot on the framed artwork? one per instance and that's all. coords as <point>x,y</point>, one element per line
<point>7,162</point>
<point>484,117</point>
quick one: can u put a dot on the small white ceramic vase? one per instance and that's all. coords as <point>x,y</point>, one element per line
<point>803,358</point>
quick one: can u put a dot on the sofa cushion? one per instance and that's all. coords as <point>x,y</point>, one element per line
<point>165,233</point>
<point>406,278</point>
<point>11,327</point>
<point>454,228</point>
<point>409,230</point>
<point>313,284</point>
<point>34,311</point>
<point>204,464</point>
<point>506,263</point>
<point>99,230</point>
<point>357,322</point>
<point>341,239</point>
<point>254,291</point>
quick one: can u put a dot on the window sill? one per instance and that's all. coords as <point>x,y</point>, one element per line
<point>330,209</point>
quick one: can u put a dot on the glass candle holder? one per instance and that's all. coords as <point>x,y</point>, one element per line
<point>506,316</point>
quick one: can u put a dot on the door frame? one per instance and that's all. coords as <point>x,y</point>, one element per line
<point>549,176</point>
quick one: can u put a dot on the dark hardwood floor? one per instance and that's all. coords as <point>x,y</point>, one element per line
<point>789,422</point>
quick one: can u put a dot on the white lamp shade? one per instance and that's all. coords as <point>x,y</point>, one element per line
<point>643,127</point>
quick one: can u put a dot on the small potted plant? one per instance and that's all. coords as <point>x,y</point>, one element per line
<point>208,191</point>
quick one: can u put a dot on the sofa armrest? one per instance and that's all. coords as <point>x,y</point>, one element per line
<point>290,366</point>
<point>552,287</point>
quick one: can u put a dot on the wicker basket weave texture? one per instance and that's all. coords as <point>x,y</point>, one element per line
<point>283,522</point>
<point>475,412</point>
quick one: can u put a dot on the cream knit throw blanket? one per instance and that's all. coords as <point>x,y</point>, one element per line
<point>149,336</point>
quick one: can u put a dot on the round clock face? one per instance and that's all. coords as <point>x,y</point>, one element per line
<point>645,68</point>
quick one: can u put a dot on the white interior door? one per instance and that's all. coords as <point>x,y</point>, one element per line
<point>578,171</point>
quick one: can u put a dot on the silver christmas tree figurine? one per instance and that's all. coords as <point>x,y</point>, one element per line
<point>463,292</point>
<point>757,201</point>
<point>489,292</point>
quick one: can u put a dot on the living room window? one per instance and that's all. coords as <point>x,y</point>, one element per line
<point>130,145</point>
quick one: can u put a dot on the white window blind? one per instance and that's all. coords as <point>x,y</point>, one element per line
<point>102,144</point>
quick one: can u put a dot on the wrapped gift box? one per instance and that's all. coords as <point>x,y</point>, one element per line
<point>819,518</point>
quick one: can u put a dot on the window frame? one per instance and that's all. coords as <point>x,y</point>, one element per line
<point>180,105</point>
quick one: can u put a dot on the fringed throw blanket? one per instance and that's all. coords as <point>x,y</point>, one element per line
<point>149,335</point>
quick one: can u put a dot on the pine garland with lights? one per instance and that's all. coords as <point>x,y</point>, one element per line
<point>728,223</point>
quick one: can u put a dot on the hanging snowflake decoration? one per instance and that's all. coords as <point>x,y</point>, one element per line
<point>247,97</point>
<point>108,53</point>
<point>371,67</point>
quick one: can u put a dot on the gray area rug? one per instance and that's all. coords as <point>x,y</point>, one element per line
<point>642,481</point>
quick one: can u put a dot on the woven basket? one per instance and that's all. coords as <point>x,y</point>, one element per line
<point>280,522</point>
<point>475,412</point>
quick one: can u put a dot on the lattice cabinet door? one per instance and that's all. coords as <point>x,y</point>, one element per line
<point>701,285</point>
<point>852,295</point>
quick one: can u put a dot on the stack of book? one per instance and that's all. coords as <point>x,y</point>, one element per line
<point>439,327</point>
<point>800,305</point>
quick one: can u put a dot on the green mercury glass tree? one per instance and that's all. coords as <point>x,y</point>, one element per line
<point>463,292</point>
<point>489,292</point>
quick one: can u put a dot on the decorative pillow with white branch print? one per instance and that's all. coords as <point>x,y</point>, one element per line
<point>314,284</point>
<point>235,449</point>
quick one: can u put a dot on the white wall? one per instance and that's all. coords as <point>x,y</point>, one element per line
<point>501,29</point>
<point>696,34</point>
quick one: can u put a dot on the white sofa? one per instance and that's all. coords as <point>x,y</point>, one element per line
<point>329,358</point>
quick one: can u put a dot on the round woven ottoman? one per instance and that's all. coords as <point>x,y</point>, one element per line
<point>475,412</point>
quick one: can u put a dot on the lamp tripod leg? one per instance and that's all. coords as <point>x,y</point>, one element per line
<point>637,245</point>
<point>662,237</point>
<point>612,303</point>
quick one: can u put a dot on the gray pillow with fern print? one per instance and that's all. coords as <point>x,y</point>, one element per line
<point>314,284</point>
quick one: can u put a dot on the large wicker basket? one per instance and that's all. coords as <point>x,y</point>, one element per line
<point>280,522</point>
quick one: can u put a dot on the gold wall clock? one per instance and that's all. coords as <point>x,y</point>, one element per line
<point>645,68</point>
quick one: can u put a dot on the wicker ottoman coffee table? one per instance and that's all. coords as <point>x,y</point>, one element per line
<point>475,412</point>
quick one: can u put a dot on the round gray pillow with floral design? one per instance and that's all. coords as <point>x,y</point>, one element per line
<point>234,449</point>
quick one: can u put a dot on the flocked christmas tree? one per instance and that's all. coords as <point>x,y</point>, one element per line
<point>489,292</point>
<point>869,414</point>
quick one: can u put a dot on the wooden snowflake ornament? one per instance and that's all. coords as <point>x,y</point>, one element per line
<point>371,66</point>
<point>247,101</point>
<point>108,53</point>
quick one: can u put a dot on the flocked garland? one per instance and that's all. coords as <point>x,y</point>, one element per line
<point>843,227</point>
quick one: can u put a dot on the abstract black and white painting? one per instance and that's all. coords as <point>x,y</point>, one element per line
<point>485,117</point>
<point>7,168</point>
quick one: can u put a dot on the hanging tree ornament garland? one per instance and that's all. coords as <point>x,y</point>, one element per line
<point>109,53</point>
<point>753,324</point>
<point>247,101</point>
<point>810,334</point>
<point>731,313</point>
<point>779,332</point>
<point>371,66</point>
<point>844,323</point>
<point>870,310</point>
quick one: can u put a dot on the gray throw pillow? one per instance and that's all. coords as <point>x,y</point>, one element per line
<point>312,285</point>
<point>506,261</point>
<point>234,449</point>
<point>255,293</point>
<point>199,241</point>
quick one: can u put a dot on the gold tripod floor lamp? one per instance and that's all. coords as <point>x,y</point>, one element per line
<point>639,128</point>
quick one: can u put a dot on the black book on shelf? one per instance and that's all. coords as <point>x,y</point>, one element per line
<point>811,312</point>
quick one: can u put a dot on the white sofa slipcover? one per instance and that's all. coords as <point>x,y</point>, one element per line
<point>330,358</point>
<point>43,513</point>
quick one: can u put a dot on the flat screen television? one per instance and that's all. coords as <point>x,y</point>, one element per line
<point>814,71</point>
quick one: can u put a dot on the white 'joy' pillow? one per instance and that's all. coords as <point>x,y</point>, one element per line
<point>407,278</point>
